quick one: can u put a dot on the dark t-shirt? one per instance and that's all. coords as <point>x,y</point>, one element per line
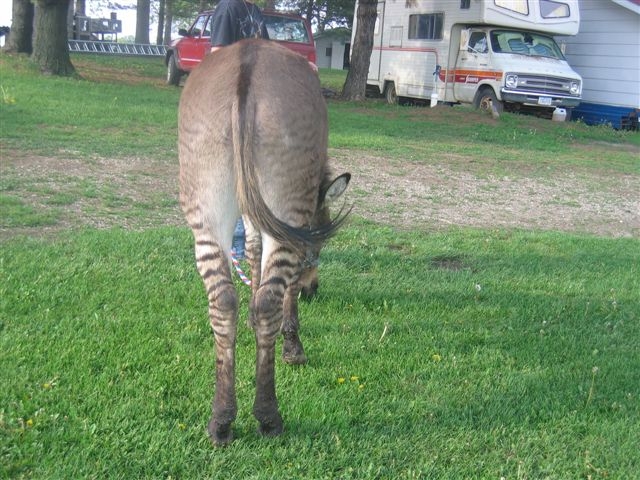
<point>234,20</point>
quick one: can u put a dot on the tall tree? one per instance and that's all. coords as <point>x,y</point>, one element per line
<point>21,36</point>
<point>81,7</point>
<point>168,21</point>
<point>356,83</point>
<point>143,12</point>
<point>50,47</point>
<point>322,13</point>
<point>161,19</point>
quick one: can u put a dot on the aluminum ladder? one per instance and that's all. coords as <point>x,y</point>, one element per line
<point>113,48</point>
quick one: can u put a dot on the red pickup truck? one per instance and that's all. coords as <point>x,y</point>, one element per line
<point>186,52</point>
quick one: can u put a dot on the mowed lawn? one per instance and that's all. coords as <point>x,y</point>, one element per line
<point>450,353</point>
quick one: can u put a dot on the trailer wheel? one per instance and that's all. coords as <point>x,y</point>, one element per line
<point>390,94</point>
<point>173,72</point>
<point>487,101</point>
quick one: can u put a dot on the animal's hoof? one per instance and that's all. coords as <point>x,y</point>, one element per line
<point>271,428</point>
<point>220,435</point>
<point>292,349</point>
<point>294,359</point>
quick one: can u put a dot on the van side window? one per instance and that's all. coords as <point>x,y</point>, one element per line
<point>426,26</point>
<point>478,43</point>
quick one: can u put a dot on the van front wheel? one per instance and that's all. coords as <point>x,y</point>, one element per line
<point>487,101</point>
<point>390,94</point>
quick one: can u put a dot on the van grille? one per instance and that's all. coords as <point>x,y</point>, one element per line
<point>544,84</point>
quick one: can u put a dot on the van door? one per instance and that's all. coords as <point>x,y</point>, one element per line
<point>472,66</point>
<point>376,52</point>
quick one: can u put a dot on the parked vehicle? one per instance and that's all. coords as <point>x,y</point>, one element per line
<point>186,52</point>
<point>491,53</point>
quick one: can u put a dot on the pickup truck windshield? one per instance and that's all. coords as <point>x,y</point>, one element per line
<point>286,29</point>
<point>525,43</point>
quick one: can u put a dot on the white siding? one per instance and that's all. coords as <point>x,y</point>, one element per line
<point>606,53</point>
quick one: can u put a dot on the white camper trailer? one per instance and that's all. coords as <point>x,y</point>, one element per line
<point>492,53</point>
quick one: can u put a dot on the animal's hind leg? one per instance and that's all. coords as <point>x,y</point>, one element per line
<point>213,264</point>
<point>292,349</point>
<point>280,267</point>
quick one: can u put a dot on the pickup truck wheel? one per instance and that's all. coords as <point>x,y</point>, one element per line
<point>173,72</point>
<point>390,94</point>
<point>486,101</point>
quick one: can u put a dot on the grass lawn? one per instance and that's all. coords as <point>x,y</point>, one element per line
<point>433,353</point>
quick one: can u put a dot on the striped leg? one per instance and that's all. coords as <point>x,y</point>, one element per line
<point>280,268</point>
<point>292,349</point>
<point>213,265</point>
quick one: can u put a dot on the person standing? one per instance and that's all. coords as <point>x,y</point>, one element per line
<point>233,20</point>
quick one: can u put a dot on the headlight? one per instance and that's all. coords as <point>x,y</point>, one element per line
<point>511,81</point>
<point>575,88</point>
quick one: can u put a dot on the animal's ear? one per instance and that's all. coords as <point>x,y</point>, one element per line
<point>335,189</point>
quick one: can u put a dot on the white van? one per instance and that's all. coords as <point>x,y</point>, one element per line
<point>494,54</point>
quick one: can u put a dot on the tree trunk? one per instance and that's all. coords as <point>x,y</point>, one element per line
<point>168,20</point>
<point>356,83</point>
<point>143,12</point>
<point>81,8</point>
<point>161,18</point>
<point>20,38</point>
<point>50,47</point>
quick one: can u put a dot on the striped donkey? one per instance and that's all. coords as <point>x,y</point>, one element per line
<point>252,131</point>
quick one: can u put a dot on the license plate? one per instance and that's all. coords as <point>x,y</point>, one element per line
<point>544,101</point>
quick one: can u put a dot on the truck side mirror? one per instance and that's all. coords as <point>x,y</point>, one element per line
<point>464,39</point>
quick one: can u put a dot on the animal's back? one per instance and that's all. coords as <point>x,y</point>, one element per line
<point>276,99</point>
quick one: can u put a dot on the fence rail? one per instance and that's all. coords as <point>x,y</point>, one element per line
<point>113,48</point>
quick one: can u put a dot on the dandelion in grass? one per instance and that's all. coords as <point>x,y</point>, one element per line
<point>436,357</point>
<point>354,378</point>
<point>341,380</point>
<point>29,422</point>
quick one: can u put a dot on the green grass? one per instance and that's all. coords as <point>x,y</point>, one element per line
<point>102,116</point>
<point>85,118</point>
<point>454,354</point>
<point>465,354</point>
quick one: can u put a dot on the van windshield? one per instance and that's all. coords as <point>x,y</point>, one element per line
<point>525,43</point>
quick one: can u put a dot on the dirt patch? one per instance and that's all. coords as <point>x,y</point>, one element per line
<point>139,193</point>
<point>415,195</point>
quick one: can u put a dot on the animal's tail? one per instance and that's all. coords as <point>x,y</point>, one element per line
<point>247,186</point>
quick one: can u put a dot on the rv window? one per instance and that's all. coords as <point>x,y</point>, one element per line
<point>518,6</point>
<point>478,43</point>
<point>465,4</point>
<point>426,26</point>
<point>551,9</point>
